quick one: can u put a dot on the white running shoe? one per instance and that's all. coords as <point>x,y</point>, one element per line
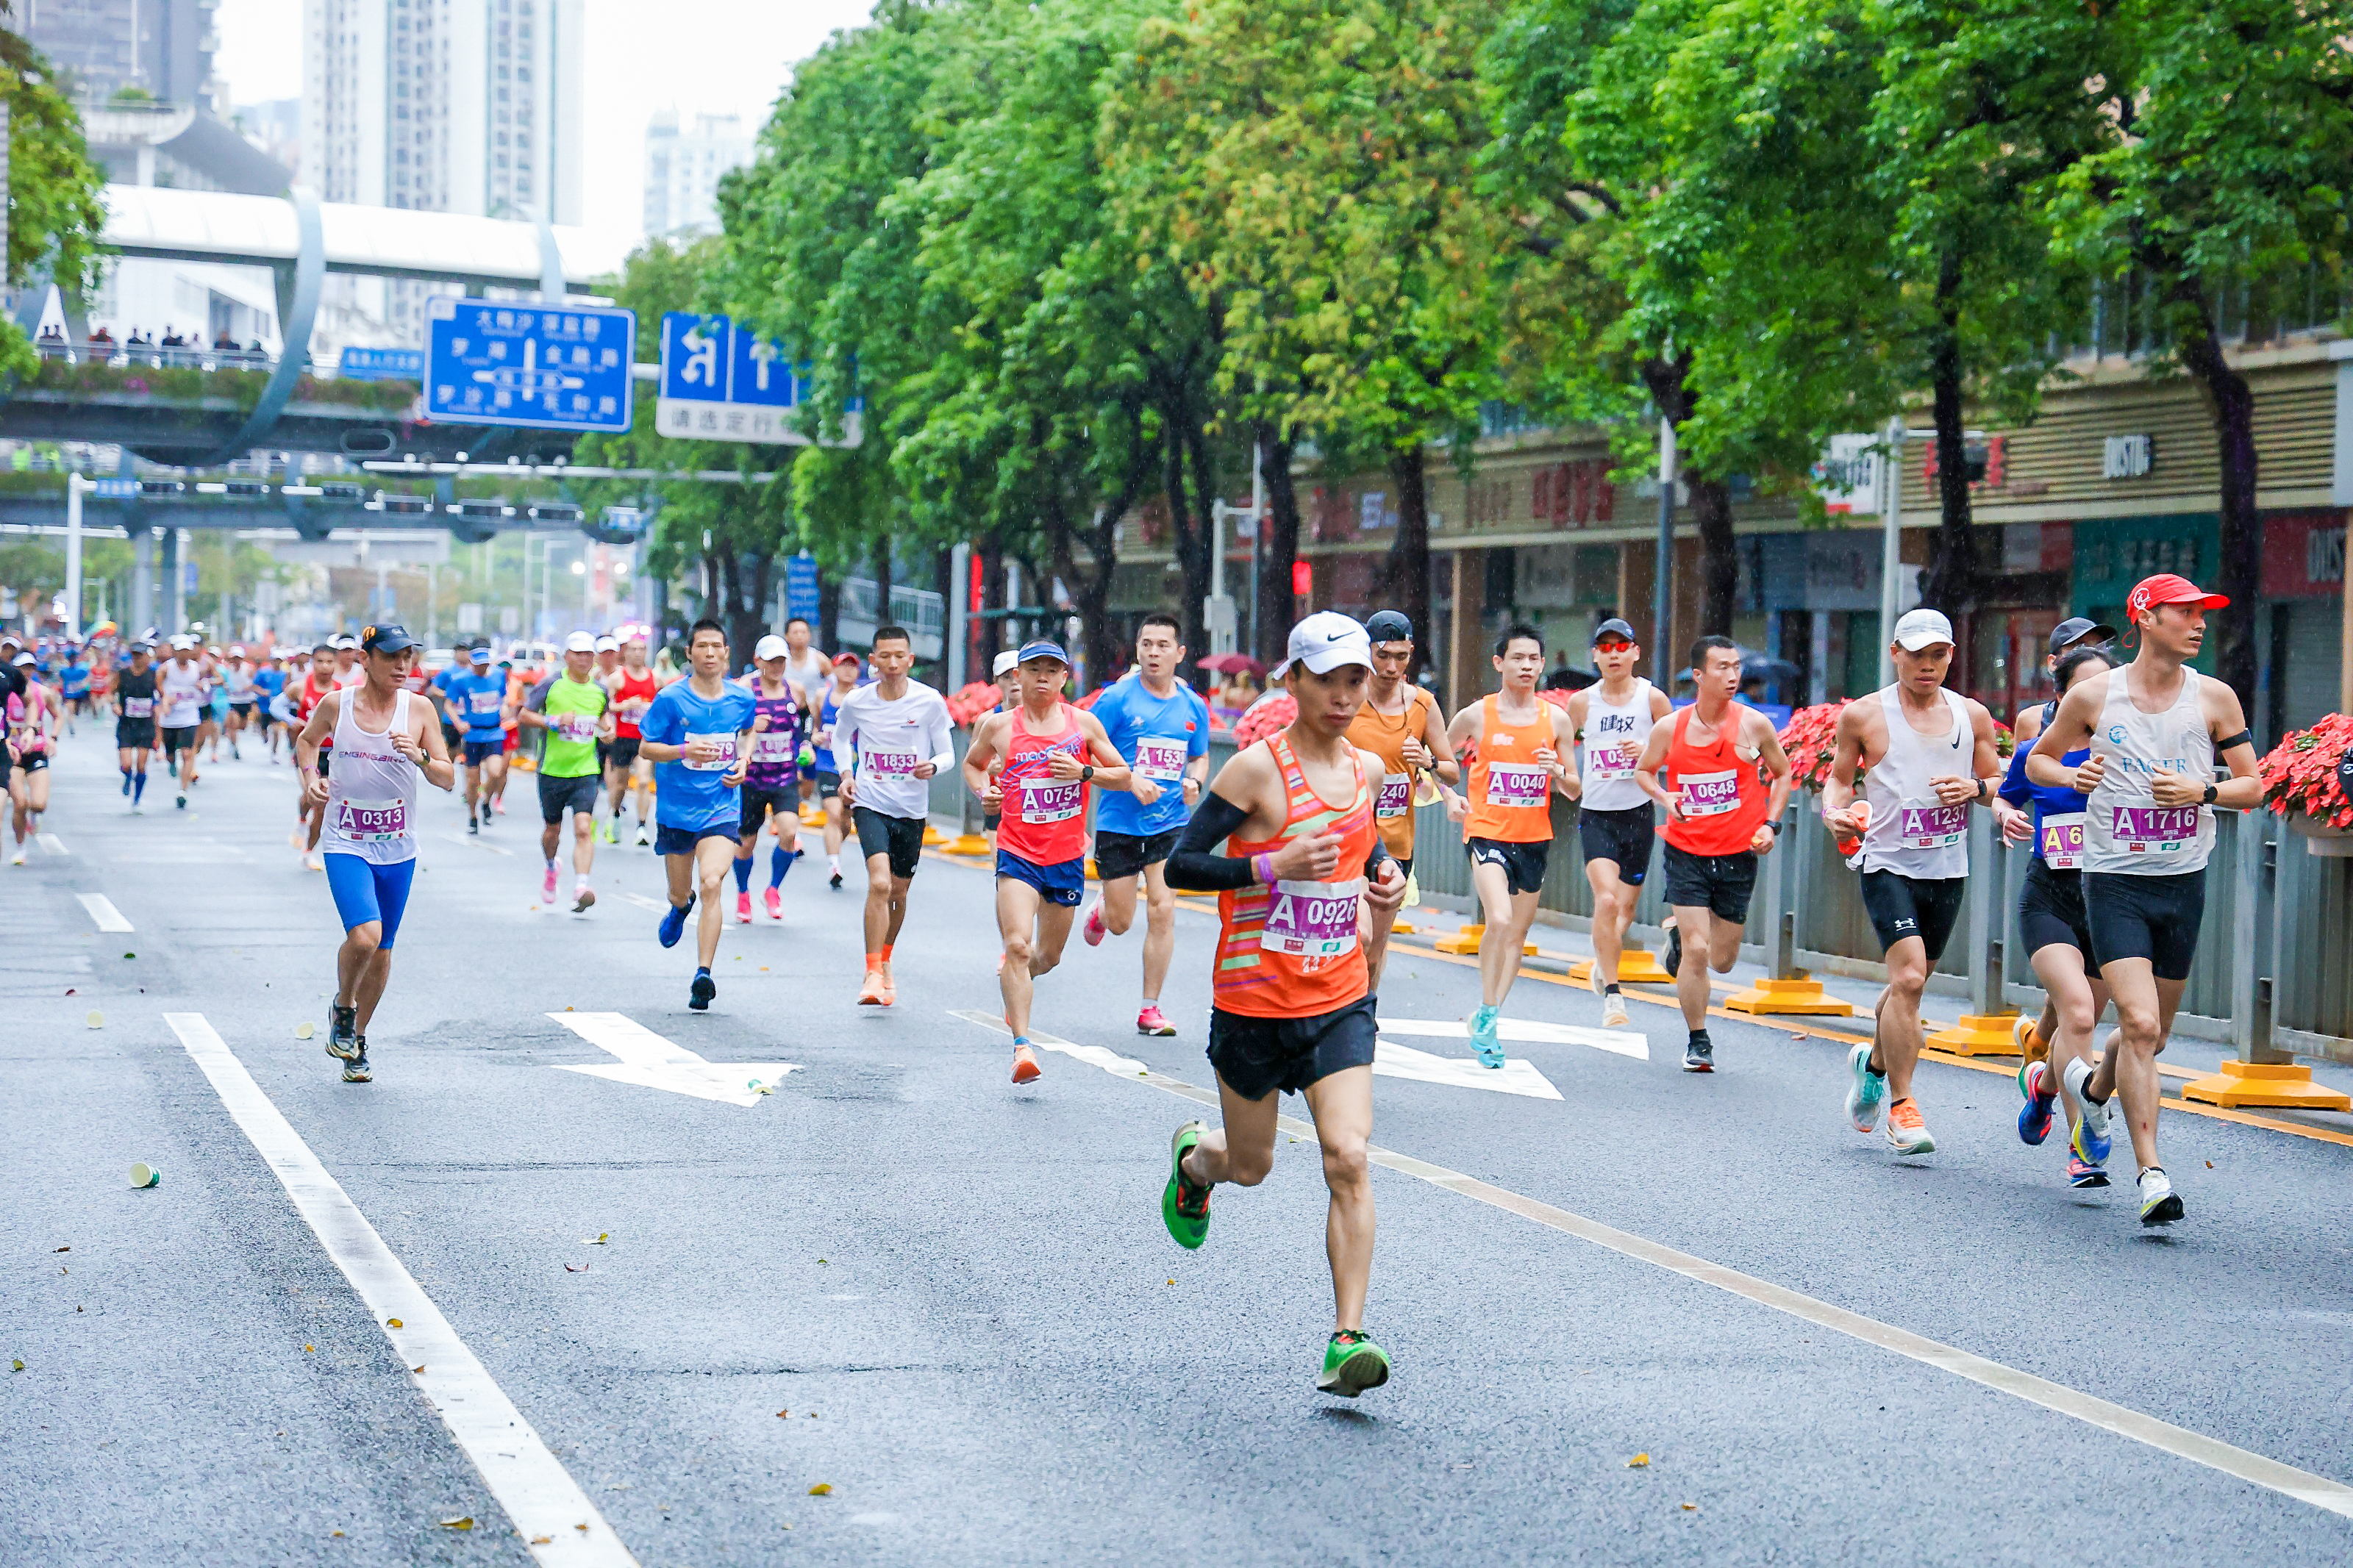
<point>2160,1204</point>
<point>645,834</point>
<point>1866,1090</point>
<point>2095,1115</point>
<point>1613,1010</point>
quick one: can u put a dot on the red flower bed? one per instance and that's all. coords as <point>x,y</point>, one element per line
<point>1273,711</point>
<point>2300,774</point>
<point>967,706</point>
<point>1810,739</point>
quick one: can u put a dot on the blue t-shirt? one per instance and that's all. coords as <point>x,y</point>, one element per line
<point>475,701</point>
<point>828,711</point>
<point>1171,730</point>
<point>269,681</point>
<point>2049,800</point>
<point>686,797</point>
<point>77,681</point>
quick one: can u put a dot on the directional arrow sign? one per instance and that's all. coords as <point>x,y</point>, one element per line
<point>1516,1076</point>
<point>651,1062</point>
<point>1617,1042</point>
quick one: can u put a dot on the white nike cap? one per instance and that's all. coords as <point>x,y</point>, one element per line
<point>580,642</point>
<point>1323,642</point>
<point>1922,628</point>
<point>772,647</point>
<point>607,645</point>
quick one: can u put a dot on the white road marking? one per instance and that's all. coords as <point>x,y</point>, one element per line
<point>2320,1491</point>
<point>1516,1076</point>
<point>540,1497</point>
<point>477,843</point>
<point>1093,1055</point>
<point>1528,1031</point>
<point>658,906</point>
<point>651,1062</point>
<point>51,843</point>
<point>102,910</point>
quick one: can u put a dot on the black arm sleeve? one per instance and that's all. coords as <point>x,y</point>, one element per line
<point>1196,867</point>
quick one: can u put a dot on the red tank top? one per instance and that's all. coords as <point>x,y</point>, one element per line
<point>1723,799</point>
<point>640,687</point>
<point>312,693</point>
<point>1045,818</point>
<point>1291,950</point>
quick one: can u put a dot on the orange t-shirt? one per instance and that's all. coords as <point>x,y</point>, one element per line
<point>1511,792</point>
<point>1384,735</point>
<point>1291,950</point>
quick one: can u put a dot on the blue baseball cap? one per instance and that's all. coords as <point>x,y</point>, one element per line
<point>1042,647</point>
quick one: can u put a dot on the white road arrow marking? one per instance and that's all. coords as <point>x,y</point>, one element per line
<point>651,1062</point>
<point>51,843</point>
<point>1619,1042</point>
<point>1516,1076</point>
<point>660,905</point>
<point>102,910</point>
<point>477,843</point>
<point>1111,1061</point>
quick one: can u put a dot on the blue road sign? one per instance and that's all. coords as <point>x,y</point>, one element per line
<point>543,367</point>
<point>381,364</point>
<point>723,381</point>
<point>800,587</point>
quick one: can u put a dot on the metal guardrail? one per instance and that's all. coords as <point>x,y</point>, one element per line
<point>154,357</point>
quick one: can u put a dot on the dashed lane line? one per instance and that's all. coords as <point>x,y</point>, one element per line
<point>102,910</point>
<point>50,843</point>
<point>539,1495</point>
<point>2320,1491</point>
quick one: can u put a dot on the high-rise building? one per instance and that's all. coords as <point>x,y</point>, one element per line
<point>161,47</point>
<point>682,170</point>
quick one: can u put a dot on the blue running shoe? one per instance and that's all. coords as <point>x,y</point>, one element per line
<point>1483,1037</point>
<point>673,924</point>
<point>1866,1091</point>
<point>2082,1173</point>
<point>699,995</point>
<point>2090,1138</point>
<point>2034,1116</point>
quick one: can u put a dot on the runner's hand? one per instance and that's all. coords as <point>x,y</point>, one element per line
<point>1386,892</point>
<point>733,777</point>
<point>315,792</point>
<point>1761,841</point>
<point>1065,766</point>
<point>407,747</point>
<point>2176,789</point>
<point>1416,754</point>
<point>849,789</point>
<point>2089,773</point>
<point>1631,750</point>
<point>1844,820</point>
<point>1458,808</point>
<point>1192,790</point>
<point>992,796</point>
<point>1953,790</point>
<point>2017,827</point>
<point>1308,859</point>
<point>702,751</point>
<point>1146,791</point>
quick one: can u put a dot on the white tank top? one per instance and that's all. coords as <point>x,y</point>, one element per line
<point>1911,833</point>
<point>372,790</point>
<point>1608,773</point>
<point>2125,830</point>
<point>181,687</point>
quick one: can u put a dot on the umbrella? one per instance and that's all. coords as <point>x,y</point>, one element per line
<point>1765,666</point>
<point>1229,663</point>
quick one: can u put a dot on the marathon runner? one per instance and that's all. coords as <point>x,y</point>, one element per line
<point>318,681</point>
<point>476,698</point>
<point>213,709</point>
<point>1720,818</point>
<point>2155,728</point>
<point>780,718</point>
<point>1507,816</point>
<point>1005,670</point>
<point>824,764</point>
<point>698,735</point>
<point>134,728</point>
<point>238,683</point>
<point>807,669</point>
<point>269,681</point>
<point>633,687</point>
<point>574,708</point>
<point>33,715</point>
<point>1294,1005</point>
<point>2051,924</point>
<point>1616,821</point>
<point>1033,764</point>
<point>889,738</point>
<point>1930,755</point>
<point>384,740</point>
<point>181,694</point>
<point>1402,725</point>
<point>73,686</point>
<point>1162,727</point>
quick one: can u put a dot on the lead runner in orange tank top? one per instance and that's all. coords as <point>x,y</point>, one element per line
<point>1306,894</point>
<point>1702,768</point>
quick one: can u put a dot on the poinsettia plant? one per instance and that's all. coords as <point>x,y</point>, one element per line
<point>967,706</point>
<point>1810,739</point>
<point>2302,774</point>
<point>1273,711</point>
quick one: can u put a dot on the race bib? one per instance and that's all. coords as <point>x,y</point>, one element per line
<point>575,726</point>
<point>1934,826</point>
<point>1160,760</point>
<point>1605,763</point>
<point>2062,841</point>
<point>372,821</point>
<point>1395,796</point>
<point>484,704</point>
<point>777,746</point>
<point>1051,800</point>
<point>1518,784</point>
<point>1709,794</point>
<point>724,762</point>
<point>1312,919</point>
<point>2154,829</point>
<point>888,764</point>
<point>138,707</point>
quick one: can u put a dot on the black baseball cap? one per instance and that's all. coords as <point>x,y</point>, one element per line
<point>391,638</point>
<point>2080,628</point>
<point>1613,627</point>
<point>1388,626</point>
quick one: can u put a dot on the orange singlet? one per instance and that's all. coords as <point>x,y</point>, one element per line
<point>1511,792</point>
<point>1723,801</point>
<point>1290,950</point>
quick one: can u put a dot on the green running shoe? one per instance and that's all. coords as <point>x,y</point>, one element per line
<point>1184,1207</point>
<point>1353,1364</point>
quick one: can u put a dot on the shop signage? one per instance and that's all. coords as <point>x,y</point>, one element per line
<point>2127,456</point>
<point>1847,475</point>
<point>2112,554</point>
<point>2304,556</point>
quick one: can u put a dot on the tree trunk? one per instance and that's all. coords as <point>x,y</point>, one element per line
<point>882,580</point>
<point>1950,583</point>
<point>1719,554</point>
<point>1407,572</point>
<point>829,611</point>
<point>2231,403</point>
<point>1197,544</point>
<point>1277,545</point>
<point>748,601</point>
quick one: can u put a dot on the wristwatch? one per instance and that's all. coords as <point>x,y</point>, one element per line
<point>1776,827</point>
<point>1086,773</point>
<point>2212,790</point>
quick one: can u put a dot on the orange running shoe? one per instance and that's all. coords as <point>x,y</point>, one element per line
<point>869,991</point>
<point>1907,1130</point>
<point>1025,1064</point>
<point>890,984</point>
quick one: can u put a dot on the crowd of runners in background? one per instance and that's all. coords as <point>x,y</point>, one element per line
<point>1307,837</point>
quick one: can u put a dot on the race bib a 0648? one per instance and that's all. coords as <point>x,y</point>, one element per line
<point>1709,794</point>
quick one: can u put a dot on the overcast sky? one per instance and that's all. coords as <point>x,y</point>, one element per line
<point>698,56</point>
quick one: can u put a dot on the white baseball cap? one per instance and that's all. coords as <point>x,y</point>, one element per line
<point>580,642</point>
<point>1008,659</point>
<point>1923,629</point>
<point>771,646</point>
<point>607,645</point>
<point>1323,642</point>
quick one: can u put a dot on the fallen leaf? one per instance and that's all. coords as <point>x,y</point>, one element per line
<point>465,1524</point>
<point>70,990</point>
<point>567,1009</point>
<point>64,1249</point>
<point>334,1532</point>
<point>2210,1164</point>
<point>535,1541</point>
<point>1638,1462</point>
<point>597,1240</point>
<point>392,1322</point>
<point>581,1528</point>
<point>782,1415</point>
<point>823,1489</point>
<point>309,1348</point>
<point>130,955</point>
<point>305,1029</point>
<point>14,1365</point>
<point>1172,1282</point>
<point>1690,1507</point>
<point>820,1260</point>
<point>581,1268</point>
<point>416,1369</point>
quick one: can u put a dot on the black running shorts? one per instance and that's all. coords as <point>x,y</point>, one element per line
<point>1925,907</point>
<point>1121,855</point>
<point>1720,884</point>
<point>557,796</point>
<point>1622,837</point>
<point>2155,918</point>
<point>900,837</point>
<point>2051,910</point>
<point>758,801</point>
<point>1256,1056</point>
<point>1524,864</point>
<point>179,738</point>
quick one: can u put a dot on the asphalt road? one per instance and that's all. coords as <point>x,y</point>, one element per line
<point>960,1292</point>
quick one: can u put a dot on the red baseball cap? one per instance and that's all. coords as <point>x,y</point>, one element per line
<point>2166,589</point>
